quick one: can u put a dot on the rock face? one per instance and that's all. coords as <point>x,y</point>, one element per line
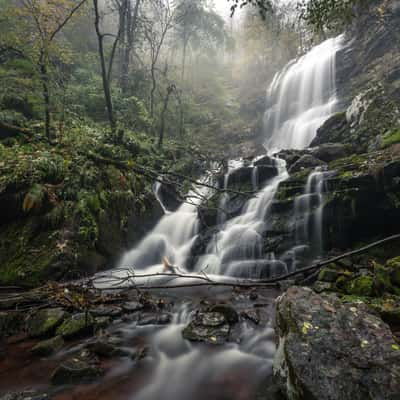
<point>332,350</point>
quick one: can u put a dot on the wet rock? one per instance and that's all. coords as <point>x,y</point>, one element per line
<point>264,160</point>
<point>291,156</point>
<point>332,350</point>
<point>228,312</point>
<point>77,325</point>
<point>106,311</point>
<point>266,172</point>
<point>240,175</point>
<point>210,327</point>
<point>45,322</point>
<point>25,395</point>
<point>328,152</point>
<point>132,306</point>
<point>252,315</point>
<point>48,347</point>
<point>154,319</point>
<point>305,162</point>
<point>102,322</point>
<point>75,370</point>
<point>107,349</point>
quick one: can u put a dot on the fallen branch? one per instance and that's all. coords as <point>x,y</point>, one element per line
<point>247,283</point>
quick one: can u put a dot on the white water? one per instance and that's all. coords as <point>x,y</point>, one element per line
<point>309,213</point>
<point>301,97</point>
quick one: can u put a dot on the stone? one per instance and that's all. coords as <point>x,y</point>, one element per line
<point>48,347</point>
<point>25,395</point>
<point>228,312</point>
<point>75,370</point>
<point>209,327</point>
<point>106,349</point>
<point>361,286</point>
<point>266,172</point>
<point>328,152</point>
<point>132,306</point>
<point>264,160</point>
<point>106,311</point>
<point>333,350</point>
<point>305,162</point>
<point>76,326</point>
<point>45,322</point>
<point>331,274</point>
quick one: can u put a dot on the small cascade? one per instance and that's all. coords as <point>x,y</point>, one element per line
<point>172,236</point>
<point>308,209</point>
<point>238,246</point>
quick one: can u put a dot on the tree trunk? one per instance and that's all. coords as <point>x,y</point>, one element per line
<point>44,77</point>
<point>131,25</point>
<point>104,74</point>
<point>170,89</point>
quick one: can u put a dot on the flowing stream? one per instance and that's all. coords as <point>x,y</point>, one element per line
<point>299,99</point>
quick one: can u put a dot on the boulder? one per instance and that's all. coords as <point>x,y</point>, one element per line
<point>48,347</point>
<point>107,349</point>
<point>264,160</point>
<point>266,172</point>
<point>45,322</point>
<point>76,326</point>
<point>208,327</point>
<point>305,162</point>
<point>328,152</point>
<point>75,370</point>
<point>334,350</point>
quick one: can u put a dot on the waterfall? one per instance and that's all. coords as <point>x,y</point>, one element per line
<point>301,97</point>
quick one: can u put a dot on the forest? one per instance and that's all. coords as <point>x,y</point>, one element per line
<point>199,199</point>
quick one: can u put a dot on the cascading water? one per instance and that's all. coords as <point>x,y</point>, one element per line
<point>309,212</point>
<point>301,97</point>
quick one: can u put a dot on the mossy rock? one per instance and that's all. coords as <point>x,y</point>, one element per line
<point>45,322</point>
<point>76,326</point>
<point>361,286</point>
<point>331,273</point>
<point>385,278</point>
<point>75,371</point>
<point>394,270</point>
<point>48,347</point>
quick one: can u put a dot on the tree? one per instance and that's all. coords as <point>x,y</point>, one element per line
<point>155,31</point>
<point>106,71</point>
<point>46,19</point>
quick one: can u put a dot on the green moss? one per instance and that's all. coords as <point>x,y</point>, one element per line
<point>361,286</point>
<point>77,325</point>
<point>391,138</point>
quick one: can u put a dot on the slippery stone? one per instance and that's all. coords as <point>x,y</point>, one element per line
<point>75,326</point>
<point>48,347</point>
<point>210,327</point>
<point>306,161</point>
<point>334,350</point>
<point>45,322</point>
<point>75,371</point>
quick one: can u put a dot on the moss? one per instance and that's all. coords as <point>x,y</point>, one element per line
<point>361,286</point>
<point>25,255</point>
<point>77,325</point>
<point>390,138</point>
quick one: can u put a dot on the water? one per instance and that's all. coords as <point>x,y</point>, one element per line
<point>301,97</point>
<point>309,213</point>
